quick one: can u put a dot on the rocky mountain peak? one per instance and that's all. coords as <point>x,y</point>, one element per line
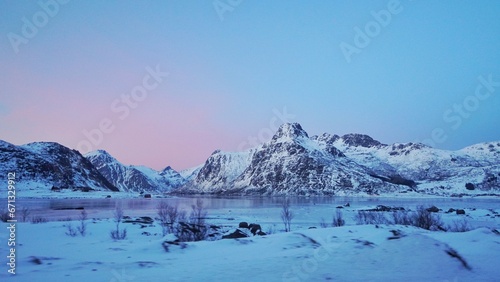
<point>291,131</point>
<point>360,140</point>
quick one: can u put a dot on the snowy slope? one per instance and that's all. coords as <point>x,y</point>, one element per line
<point>44,165</point>
<point>293,163</point>
<point>134,178</point>
<point>219,172</point>
<point>435,171</point>
<point>189,173</point>
<point>349,253</point>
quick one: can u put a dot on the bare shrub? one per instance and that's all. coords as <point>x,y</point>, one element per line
<point>427,220</point>
<point>286,214</point>
<point>338,219</point>
<point>197,221</point>
<point>370,217</point>
<point>402,217</point>
<point>166,222</point>
<point>38,219</point>
<point>70,231</point>
<point>461,225</point>
<point>323,223</point>
<point>118,234</point>
<point>186,229</point>
<point>25,212</point>
<point>271,229</point>
<point>82,229</point>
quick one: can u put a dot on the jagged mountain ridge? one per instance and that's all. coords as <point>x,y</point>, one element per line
<point>429,167</point>
<point>47,165</point>
<point>134,178</point>
<point>294,163</point>
<point>291,163</point>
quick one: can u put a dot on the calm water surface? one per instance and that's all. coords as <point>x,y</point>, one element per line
<point>306,208</point>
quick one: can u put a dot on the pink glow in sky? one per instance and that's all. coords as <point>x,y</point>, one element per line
<point>228,76</point>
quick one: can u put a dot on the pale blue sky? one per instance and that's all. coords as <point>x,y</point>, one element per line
<point>226,76</point>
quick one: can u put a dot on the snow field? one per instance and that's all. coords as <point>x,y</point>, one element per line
<point>348,253</point>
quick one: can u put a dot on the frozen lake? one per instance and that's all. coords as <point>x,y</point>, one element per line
<point>308,211</point>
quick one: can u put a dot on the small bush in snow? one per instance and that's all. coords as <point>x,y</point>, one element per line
<point>82,229</point>
<point>70,231</point>
<point>271,229</point>
<point>422,218</point>
<point>194,227</point>
<point>461,225</point>
<point>427,220</point>
<point>176,222</point>
<point>168,216</point>
<point>370,217</point>
<point>286,214</point>
<point>38,219</point>
<point>338,219</point>
<point>197,221</point>
<point>118,234</point>
<point>402,217</point>
<point>323,223</point>
<point>25,212</point>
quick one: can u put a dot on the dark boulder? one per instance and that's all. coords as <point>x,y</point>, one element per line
<point>433,209</point>
<point>382,208</point>
<point>469,186</point>
<point>254,228</point>
<point>460,211</point>
<point>140,220</point>
<point>235,235</point>
<point>243,225</point>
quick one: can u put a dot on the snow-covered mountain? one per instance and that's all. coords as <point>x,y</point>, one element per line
<point>290,163</point>
<point>218,173</point>
<point>434,171</point>
<point>294,163</point>
<point>134,178</point>
<point>47,165</point>
<point>190,173</point>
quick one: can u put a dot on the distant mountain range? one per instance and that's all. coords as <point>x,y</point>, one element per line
<point>291,163</point>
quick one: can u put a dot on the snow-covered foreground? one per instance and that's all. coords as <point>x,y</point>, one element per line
<point>348,253</point>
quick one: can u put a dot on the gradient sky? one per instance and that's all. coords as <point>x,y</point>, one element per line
<point>230,71</point>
